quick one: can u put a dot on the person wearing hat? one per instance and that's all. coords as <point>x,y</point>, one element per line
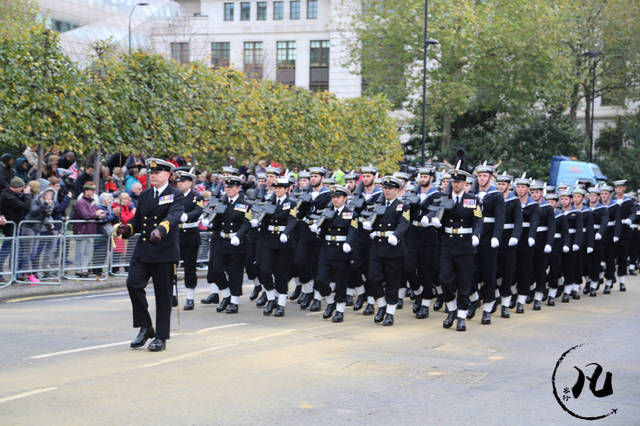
<point>189,233</point>
<point>228,253</point>
<point>422,262</point>
<point>462,228</point>
<point>402,291</point>
<point>569,259</point>
<point>275,248</point>
<point>337,233</point>
<point>493,214</point>
<point>350,181</point>
<point>600,215</point>
<point>634,249</point>
<point>251,262</point>
<point>560,245</point>
<point>6,170</point>
<point>544,243</point>
<point>626,211</point>
<point>156,253</point>
<point>305,261</point>
<point>388,249</point>
<point>588,236</point>
<point>507,251</point>
<point>526,250</point>
<point>85,212</point>
<point>611,236</point>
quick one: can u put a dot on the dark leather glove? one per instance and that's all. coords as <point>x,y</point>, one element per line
<point>156,235</point>
<point>122,230</point>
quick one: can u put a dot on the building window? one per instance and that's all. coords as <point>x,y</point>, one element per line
<point>180,52</point>
<point>245,11</point>
<point>294,9</point>
<point>228,11</point>
<point>286,62</point>
<point>312,9</point>
<point>253,59</point>
<point>262,11</point>
<point>319,65</point>
<point>220,54</point>
<point>278,10</point>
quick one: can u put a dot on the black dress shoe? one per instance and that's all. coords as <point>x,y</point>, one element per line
<point>349,301</point>
<point>448,321</point>
<point>271,305</point>
<point>157,345</point>
<point>622,287</point>
<point>486,317</point>
<point>519,308</point>
<point>279,311</point>
<point>504,312</point>
<point>607,289</point>
<point>551,301</point>
<point>411,294</point>
<point>417,302</point>
<point>423,312</point>
<point>357,305</point>
<point>296,293</point>
<point>212,298</point>
<point>545,294</point>
<point>380,315</point>
<point>575,295</point>
<point>438,303</point>
<point>585,290</point>
<point>400,304</point>
<point>338,317</point>
<point>471,311</point>
<point>369,310</point>
<point>188,305</point>
<point>565,298</point>
<point>329,311</point>
<point>262,300</point>
<point>460,325</point>
<point>388,320</point>
<point>142,337</point>
<point>316,305</point>
<point>255,292</point>
<point>529,299</point>
<point>633,272</point>
<point>174,301</point>
<point>305,300</point>
<point>223,304</point>
<point>537,305</point>
<point>593,293</point>
<point>231,309</point>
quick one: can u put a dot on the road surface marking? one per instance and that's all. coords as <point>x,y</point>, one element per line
<point>44,296</point>
<point>25,394</point>
<point>88,297</point>
<point>189,355</point>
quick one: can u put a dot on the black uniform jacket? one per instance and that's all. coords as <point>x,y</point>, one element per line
<point>456,222</point>
<point>234,222</point>
<point>337,231</point>
<point>394,221</point>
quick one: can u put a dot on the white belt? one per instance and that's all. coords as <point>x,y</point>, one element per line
<point>382,233</point>
<point>489,219</point>
<point>335,238</point>
<point>419,224</point>
<point>276,228</point>
<point>611,223</point>
<point>572,231</point>
<point>542,229</point>
<point>190,225</point>
<point>228,234</point>
<point>557,235</point>
<point>460,230</point>
<point>584,229</point>
<point>596,226</point>
<point>509,226</point>
<point>526,224</point>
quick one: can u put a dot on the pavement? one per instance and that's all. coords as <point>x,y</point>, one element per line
<point>65,359</point>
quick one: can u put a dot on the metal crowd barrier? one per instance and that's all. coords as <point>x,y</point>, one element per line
<point>122,252</point>
<point>38,252</point>
<point>7,252</point>
<point>86,256</point>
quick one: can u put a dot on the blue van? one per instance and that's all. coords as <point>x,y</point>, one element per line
<point>568,171</point>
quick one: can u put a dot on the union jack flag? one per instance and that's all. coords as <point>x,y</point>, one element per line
<point>73,171</point>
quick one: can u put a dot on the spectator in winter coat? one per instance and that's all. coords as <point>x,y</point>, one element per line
<point>6,170</point>
<point>21,169</point>
<point>84,209</point>
<point>37,222</point>
<point>15,203</point>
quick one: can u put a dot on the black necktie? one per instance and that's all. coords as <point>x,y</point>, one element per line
<point>457,202</point>
<point>155,194</point>
<point>388,203</point>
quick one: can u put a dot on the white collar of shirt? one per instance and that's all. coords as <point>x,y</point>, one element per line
<point>234,199</point>
<point>187,193</point>
<point>389,202</point>
<point>423,195</point>
<point>281,200</point>
<point>339,211</point>
<point>160,190</point>
<point>457,197</point>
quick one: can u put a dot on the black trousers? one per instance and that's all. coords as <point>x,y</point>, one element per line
<point>161,274</point>
<point>610,251</point>
<point>305,260</point>
<point>189,256</point>
<point>385,276</point>
<point>275,263</point>
<point>540,263</point>
<point>226,270</point>
<point>507,259</point>
<point>524,269</point>
<point>250,263</point>
<point>595,260</point>
<point>622,256</point>
<point>487,272</point>
<point>456,275</point>
<point>329,271</point>
<point>360,265</point>
<point>569,267</point>
<point>555,266</point>
<point>422,265</point>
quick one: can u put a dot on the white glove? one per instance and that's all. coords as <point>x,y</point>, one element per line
<point>393,240</point>
<point>513,241</point>
<point>313,228</point>
<point>205,222</point>
<point>346,247</point>
<point>626,221</point>
<point>366,225</point>
<point>475,241</point>
<point>589,250</point>
<point>616,239</point>
<point>436,222</point>
<point>576,247</point>
<point>254,223</point>
<point>284,238</point>
<point>183,218</point>
<point>531,241</point>
<point>372,235</point>
<point>565,249</point>
<point>547,248</point>
<point>424,221</point>
<point>598,236</point>
<point>235,241</point>
<point>495,243</point>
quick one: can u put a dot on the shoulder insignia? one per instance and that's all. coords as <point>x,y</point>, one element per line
<point>248,215</point>
<point>399,207</point>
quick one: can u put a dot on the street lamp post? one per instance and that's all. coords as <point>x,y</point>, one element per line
<point>594,55</point>
<point>142,3</point>
<point>427,41</point>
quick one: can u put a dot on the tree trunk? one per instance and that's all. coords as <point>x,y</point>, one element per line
<point>446,130</point>
<point>587,113</point>
<point>574,102</point>
<point>96,169</point>
<point>39,162</point>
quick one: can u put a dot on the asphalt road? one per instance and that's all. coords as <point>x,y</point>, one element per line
<point>65,360</point>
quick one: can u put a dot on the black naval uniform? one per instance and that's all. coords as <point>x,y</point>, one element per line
<point>569,260</point>
<point>600,219</point>
<point>507,255</point>
<point>545,236</point>
<point>588,237</point>
<point>493,218</point>
<point>561,244</point>
<point>154,259</point>
<point>190,237</point>
<point>611,240</point>
<point>626,236</point>
<point>530,220</point>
